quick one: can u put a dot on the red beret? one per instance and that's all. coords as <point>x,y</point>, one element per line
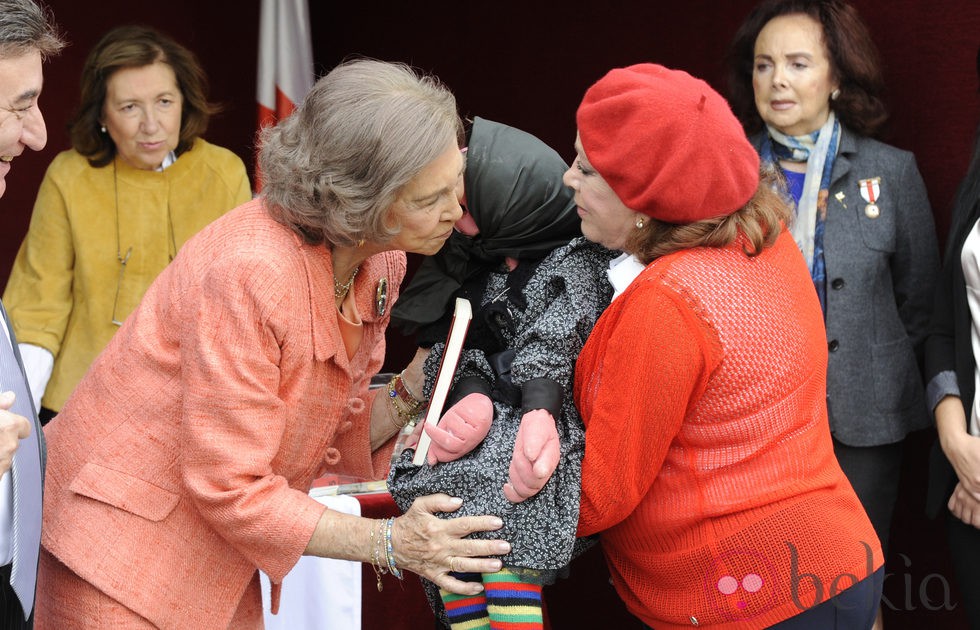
<point>667,144</point>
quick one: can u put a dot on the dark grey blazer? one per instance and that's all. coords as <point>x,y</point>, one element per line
<point>880,278</point>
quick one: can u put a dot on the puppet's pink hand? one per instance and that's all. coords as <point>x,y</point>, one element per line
<point>535,456</point>
<point>461,428</point>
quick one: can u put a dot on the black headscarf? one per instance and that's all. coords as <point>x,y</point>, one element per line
<point>514,192</point>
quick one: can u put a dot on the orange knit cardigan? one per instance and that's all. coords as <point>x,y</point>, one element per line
<point>709,468</point>
<point>181,463</point>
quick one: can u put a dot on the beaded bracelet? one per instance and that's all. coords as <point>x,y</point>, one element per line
<point>406,406</point>
<point>389,552</point>
<point>391,415</point>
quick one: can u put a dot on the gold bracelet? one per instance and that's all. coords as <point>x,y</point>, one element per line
<point>377,546</point>
<point>391,416</point>
<point>401,412</point>
<point>407,407</point>
<point>392,408</point>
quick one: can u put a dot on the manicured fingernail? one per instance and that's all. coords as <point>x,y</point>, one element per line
<point>456,501</point>
<point>503,547</point>
<point>496,522</point>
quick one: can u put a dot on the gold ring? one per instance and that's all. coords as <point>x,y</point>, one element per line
<point>452,564</point>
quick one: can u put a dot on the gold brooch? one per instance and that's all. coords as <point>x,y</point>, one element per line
<point>381,297</point>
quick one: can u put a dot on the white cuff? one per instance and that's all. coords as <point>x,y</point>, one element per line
<point>38,364</point>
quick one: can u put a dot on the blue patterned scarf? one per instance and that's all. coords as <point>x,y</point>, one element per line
<point>818,150</point>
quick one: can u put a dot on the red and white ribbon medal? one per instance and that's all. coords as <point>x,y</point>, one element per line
<point>870,190</point>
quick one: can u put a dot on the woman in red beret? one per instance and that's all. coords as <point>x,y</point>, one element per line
<point>709,470</point>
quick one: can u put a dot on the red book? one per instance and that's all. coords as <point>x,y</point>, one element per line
<point>462,314</point>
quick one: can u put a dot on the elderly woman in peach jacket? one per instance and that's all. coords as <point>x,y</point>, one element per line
<point>181,464</point>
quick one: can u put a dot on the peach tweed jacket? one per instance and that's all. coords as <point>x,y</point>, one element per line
<point>182,461</point>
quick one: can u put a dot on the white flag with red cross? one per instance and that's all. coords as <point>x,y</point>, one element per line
<point>285,60</point>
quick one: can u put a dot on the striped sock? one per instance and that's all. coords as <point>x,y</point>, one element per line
<point>511,603</point>
<point>466,612</point>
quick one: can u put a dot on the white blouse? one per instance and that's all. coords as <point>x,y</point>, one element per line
<point>970,259</point>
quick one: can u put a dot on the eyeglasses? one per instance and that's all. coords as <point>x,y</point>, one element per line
<point>122,271</point>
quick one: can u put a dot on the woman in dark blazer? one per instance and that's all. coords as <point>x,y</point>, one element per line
<point>805,81</point>
<point>951,372</point>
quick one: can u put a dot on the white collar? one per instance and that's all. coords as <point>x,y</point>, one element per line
<point>168,161</point>
<point>622,271</point>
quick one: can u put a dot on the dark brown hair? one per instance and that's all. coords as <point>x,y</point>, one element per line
<point>760,220</point>
<point>135,47</point>
<point>854,62</point>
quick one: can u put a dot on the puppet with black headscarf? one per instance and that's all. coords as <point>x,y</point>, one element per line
<point>537,289</point>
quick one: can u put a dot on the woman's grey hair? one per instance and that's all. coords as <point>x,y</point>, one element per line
<point>332,169</point>
<point>25,26</point>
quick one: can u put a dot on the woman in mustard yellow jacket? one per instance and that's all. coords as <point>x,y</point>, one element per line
<point>180,465</point>
<point>113,211</point>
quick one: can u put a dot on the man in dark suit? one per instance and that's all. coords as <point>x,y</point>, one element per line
<point>27,36</point>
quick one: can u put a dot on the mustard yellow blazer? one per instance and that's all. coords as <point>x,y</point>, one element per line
<point>63,287</point>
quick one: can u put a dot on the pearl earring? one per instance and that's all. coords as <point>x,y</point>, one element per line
<point>835,94</point>
<point>639,223</point>
<point>103,128</point>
